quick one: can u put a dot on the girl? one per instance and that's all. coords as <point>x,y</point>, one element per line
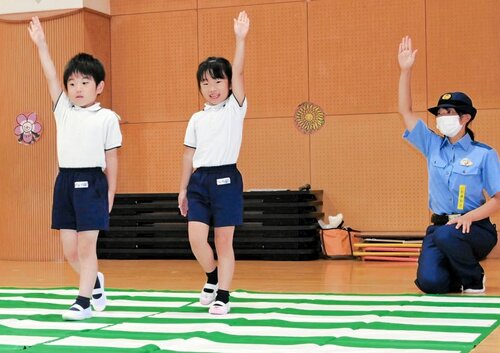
<point>213,193</point>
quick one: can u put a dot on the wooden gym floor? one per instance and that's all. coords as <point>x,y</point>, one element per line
<point>330,276</point>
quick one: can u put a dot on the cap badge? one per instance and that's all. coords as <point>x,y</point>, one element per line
<point>446,96</point>
<point>466,162</point>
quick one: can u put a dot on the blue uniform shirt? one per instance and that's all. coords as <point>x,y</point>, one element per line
<point>458,173</point>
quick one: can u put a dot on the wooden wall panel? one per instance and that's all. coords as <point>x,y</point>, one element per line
<point>150,159</point>
<point>463,50</point>
<point>274,154</point>
<point>155,58</point>
<point>202,4</point>
<point>276,56</point>
<point>369,173</point>
<point>129,7</point>
<point>97,42</point>
<point>353,49</point>
<point>28,172</point>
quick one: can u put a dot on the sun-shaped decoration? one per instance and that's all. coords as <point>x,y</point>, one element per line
<point>309,117</point>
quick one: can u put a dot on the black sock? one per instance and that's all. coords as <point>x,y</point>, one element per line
<point>211,279</point>
<point>84,302</point>
<point>222,296</point>
<point>97,285</point>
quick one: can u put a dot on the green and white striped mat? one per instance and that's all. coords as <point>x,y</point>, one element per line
<point>164,321</point>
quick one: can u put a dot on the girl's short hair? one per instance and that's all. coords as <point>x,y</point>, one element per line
<point>216,67</point>
<point>84,64</point>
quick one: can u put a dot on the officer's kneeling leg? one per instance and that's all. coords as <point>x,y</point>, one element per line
<point>433,273</point>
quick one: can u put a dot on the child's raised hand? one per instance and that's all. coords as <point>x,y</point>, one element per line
<point>36,31</point>
<point>241,25</point>
<point>406,55</point>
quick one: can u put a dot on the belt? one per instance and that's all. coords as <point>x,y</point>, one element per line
<point>442,219</point>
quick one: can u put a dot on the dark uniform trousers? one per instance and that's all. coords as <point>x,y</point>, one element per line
<point>449,259</point>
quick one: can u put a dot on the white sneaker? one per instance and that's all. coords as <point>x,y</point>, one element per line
<point>476,290</point>
<point>219,308</point>
<point>77,313</point>
<point>207,298</point>
<point>99,302</point>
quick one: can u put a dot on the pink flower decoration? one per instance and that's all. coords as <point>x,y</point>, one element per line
<point>28,130</point>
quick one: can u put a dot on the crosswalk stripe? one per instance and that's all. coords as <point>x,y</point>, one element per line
<point>127,303</point>
<point>197,345</point>
<point>18,340</point>
<point>335,319</point>
<point>328,307</point>
<point>368,298</point>
<point>33,324</point>
<point>297,332</point>
<point>110,293</point>
<point>103,314</point>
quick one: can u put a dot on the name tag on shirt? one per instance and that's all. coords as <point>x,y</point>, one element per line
<point>461,197</point>
<point>81,184</point>
<point>224,181</point>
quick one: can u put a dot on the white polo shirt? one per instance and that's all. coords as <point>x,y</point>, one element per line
<point>84,134</point>
<point>216,133</point>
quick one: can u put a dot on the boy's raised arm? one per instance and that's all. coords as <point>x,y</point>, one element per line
<point>241,26</point>
<point>38,37</point>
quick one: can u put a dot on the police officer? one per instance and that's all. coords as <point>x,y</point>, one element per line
<point>459,170</point>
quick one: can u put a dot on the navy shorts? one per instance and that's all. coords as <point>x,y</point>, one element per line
<point>215,196</point>
<point>80,200</point>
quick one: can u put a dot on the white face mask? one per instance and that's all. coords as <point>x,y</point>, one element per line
<point>449,125</point>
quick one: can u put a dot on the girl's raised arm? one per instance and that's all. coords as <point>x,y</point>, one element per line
<point>241,27</point>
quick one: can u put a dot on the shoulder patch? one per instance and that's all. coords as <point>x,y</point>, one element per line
<point>481,145</point>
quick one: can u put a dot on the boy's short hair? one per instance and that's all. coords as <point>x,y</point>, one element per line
<point>216,67</point>
<point>84,64</point>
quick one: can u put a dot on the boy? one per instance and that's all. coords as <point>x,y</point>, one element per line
<point>87,140</point>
